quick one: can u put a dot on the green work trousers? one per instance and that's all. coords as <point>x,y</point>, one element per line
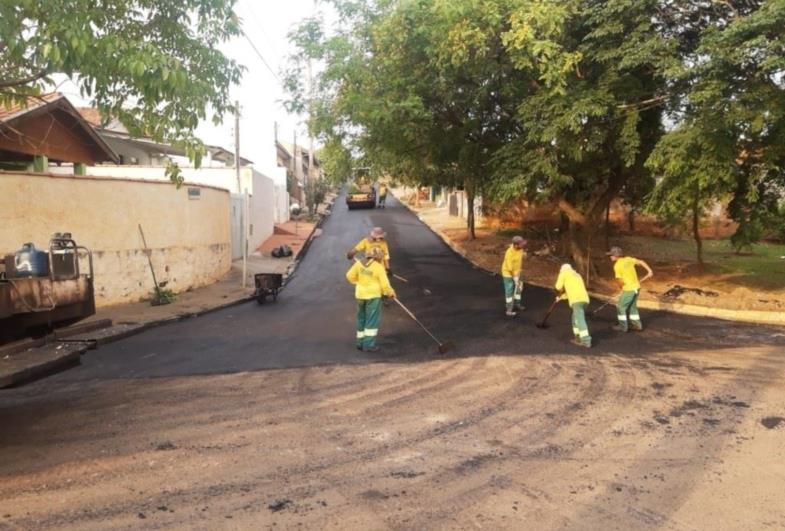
<point>369,316</point>
<point>629,318</point>
<point>579,327</point>
<point>512,293</point>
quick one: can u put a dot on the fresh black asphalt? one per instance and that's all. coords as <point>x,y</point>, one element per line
<point>313,321</point>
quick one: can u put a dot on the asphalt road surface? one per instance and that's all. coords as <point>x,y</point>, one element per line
<point>268,417</point>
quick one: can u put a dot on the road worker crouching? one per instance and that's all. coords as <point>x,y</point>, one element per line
<point>371,283</point>
<point>570,286</point>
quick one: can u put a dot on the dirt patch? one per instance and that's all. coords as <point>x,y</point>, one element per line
<point>772,422</point>
<point>675,280</point>
<point>279,505</point>
<point>405,474</point>
<point>374,494</point>
<point>677,291</point>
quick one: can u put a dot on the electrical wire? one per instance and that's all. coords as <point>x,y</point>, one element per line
<point>261,57</point>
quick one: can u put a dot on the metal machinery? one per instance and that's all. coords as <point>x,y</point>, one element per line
<point>34,304</point>
<point>361,193</point>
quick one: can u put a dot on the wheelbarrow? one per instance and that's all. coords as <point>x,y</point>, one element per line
<point>267,284</point>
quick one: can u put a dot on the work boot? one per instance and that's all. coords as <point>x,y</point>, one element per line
<point>578,342</point>
<point>619,328</point>
<point>519,308</point>
<point>371,349</point>
<point>510,313</point>
<point>634,328</point>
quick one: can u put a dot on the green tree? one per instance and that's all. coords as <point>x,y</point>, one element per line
<point>733,77</point>
<point>316,191</point>
<point>692,176</point>
<point>153,64</point>
<point>424,91</point>
<point>337,161</point>
<point>594,113</point>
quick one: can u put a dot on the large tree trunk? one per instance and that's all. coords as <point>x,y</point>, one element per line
<point>470,211</point>
<point>696,232</point>
<point>579,238</point>
<point>585,225</point>
<point>631,220</point>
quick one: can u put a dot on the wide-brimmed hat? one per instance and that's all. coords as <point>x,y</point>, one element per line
<point>378,232</point>
<point>519,240</point>
<point>615,251</point>
<point>565,267</point>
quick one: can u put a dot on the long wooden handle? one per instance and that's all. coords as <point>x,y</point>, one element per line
<point>149,258</point>
<point>550,310</point>
<point>414,318</point>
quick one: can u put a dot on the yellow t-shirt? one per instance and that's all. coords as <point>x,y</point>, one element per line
<point>574,288</point>
<point>624,268</point>
<point>370,280</point>
<point>513,261</point>
<point>366,244</point>
<point>382,190</point>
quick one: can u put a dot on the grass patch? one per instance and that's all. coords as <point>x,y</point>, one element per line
<point>760,267</point>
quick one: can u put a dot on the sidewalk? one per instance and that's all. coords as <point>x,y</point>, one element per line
<point>130,318</point>
<point>541,269</point>
<point>225,292</point>
<point>28,359</point>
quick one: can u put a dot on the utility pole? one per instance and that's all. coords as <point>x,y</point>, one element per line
<point>237,146</point>
<point>310,119</point>
<point>240,189</point>
<point>310,113</point>
<point>294,170</point>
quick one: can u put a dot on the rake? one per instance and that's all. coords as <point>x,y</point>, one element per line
<point>443,347</point>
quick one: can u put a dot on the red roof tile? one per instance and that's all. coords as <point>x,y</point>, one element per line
<point>91,115</point>
<point>33,102</point>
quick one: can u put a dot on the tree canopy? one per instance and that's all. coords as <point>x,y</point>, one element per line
<point>670,105</point>
<point>153,64</point>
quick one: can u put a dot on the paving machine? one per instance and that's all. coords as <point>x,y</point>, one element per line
<point>42,290</point>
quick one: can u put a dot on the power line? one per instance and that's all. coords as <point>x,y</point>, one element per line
<point>260,26</point>
<point>261,57</point>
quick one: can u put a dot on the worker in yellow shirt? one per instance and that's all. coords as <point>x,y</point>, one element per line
<point>375,240</point>
<point>570,286</point>
<point>371,283</point>
<point>627,277</point>
<point>382,194</point>
<point>511,275</point>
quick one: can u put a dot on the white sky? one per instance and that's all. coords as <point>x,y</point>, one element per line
<point>261,95</point>
<point>267,23</point>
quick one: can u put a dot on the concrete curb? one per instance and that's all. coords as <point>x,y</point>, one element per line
<point>747,316</point>
<point>46,360</point>
<point>122,331</point>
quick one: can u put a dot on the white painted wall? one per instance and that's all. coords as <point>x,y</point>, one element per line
<point>264,205</point>
<point>278,175</point>
<point>261,211</point>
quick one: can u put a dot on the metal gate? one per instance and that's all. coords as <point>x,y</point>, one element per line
<point>236,222</point>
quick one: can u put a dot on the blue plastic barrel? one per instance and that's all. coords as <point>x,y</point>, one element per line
<point>30,262</point>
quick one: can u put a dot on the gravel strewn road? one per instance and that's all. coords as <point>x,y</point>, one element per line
<point>267,417</point>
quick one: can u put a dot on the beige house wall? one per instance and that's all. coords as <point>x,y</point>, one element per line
<point>189,238</point>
